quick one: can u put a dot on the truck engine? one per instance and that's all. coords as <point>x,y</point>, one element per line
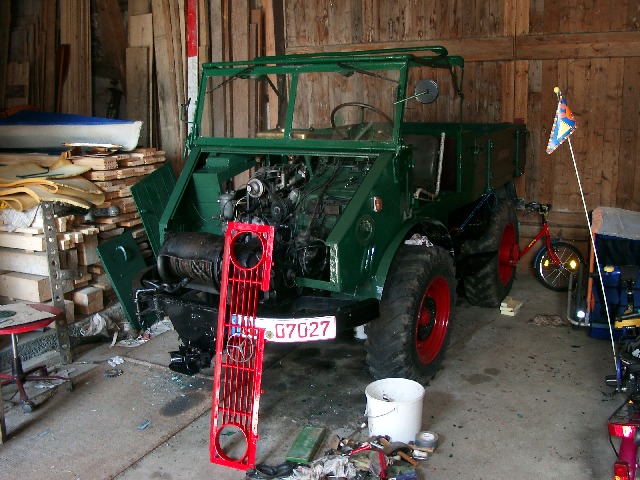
<point>302,199</point>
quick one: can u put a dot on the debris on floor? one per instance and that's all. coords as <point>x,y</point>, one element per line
<point>510,306</point>
<point>306,445</point>
<point>115,361</point>
<point>112,372</point>
<point>154,330</point>
<point>144,425</point>
<point>348,458</point>
<point>549,320</point>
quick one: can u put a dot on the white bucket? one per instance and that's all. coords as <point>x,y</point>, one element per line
<point>394,408</point>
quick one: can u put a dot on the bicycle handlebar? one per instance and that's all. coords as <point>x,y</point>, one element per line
<point>628,316</point>
<point>536,206</point>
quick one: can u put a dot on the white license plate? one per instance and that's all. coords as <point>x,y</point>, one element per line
<point>286,330</point>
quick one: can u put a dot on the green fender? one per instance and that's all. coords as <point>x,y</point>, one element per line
<point>434,230</point>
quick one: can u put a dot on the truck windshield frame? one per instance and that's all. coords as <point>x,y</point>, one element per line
<point>367,111</point>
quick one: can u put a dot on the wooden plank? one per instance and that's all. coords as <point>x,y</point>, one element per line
<point>3,425</point>
<point>141,35</point>
<point>88,250</point>
<point>138,7</point>
<point>49,21</point>
<point>5,24</point>
<point>628,159</point>
<point>24,286</point>
<point>69,313</point>
<point>138,81</point>
<point>17,84</point>
<point>527,47</point>
<point>217,112</point>
<point>23,242</point>
<point>88,300</point>
<point>227,56</point>
<point>594,161</point>
<point>140,32</point>
<point>75,30</point>
<point>274,45</point>
<point>166,74</point>
<point>117,219</point>
<point>578,45</point>
<point>35,263</point>
<point>204,56</point>
<point>110,33</point>
<point>472,49</point>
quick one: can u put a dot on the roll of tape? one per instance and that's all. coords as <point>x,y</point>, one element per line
<point>427,439</point>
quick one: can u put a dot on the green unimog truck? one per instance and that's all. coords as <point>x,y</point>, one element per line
<point>381,214</point>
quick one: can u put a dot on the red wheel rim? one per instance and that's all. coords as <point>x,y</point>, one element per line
<point>433,320</point>
<point>505,254</point>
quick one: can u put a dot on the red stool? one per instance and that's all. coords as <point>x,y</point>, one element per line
<point>18,375</point>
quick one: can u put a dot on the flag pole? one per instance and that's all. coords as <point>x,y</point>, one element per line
<point>593,242</point>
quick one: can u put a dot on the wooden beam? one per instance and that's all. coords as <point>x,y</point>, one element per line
<point>527,47</point>
<point>141,35</point>
<point>49,13</point>
<point>164,27</point>
<point>75,31</point>
<point>138,89</point>
<point>138,7</point>
<point>112,37</point>
<point>472,49</point>
<point>578,45</point>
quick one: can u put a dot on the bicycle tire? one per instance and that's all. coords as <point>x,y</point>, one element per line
<point>557,277</point>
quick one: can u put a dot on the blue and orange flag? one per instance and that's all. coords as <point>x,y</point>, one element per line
<point>563,125</point>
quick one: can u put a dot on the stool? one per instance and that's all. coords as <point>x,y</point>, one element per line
<point>18,375</point>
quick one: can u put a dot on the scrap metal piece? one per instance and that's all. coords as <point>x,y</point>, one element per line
<point>239,348</point>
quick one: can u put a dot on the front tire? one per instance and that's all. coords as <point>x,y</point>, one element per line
<point>411,336</point>
<point>556,277</point>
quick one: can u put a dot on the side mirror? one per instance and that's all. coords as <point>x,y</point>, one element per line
<point>426,91</point>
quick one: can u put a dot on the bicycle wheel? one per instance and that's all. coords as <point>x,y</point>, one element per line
<point>556,277</point>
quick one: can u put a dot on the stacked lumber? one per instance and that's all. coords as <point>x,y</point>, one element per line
<point>24,265</point>
<point>114,174</point>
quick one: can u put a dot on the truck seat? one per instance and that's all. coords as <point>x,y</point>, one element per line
<point>426,149</point>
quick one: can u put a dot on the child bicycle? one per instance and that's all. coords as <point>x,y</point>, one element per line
<point>556,260</point>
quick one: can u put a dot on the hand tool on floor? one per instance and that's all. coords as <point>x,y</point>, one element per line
<point>381,456</point>
<point>397,448</point>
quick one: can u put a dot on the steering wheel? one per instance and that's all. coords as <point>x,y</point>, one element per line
<point>364,127</point>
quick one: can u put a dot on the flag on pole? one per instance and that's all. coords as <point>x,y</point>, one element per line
<point>563,124</point>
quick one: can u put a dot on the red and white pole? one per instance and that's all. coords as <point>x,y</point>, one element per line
<point>192,59</point>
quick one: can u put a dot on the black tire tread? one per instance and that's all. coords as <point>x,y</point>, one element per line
<point>483,288</point>
<point>390,341</point>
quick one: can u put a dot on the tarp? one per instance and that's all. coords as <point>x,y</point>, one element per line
<point>616,222</point>
<point>24,185</point>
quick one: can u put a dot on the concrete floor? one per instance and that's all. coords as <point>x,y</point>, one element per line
<point>513,400</point>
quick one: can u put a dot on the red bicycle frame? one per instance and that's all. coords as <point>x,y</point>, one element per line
<point>544,231</point>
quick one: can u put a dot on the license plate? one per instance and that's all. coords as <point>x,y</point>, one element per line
<point>285,330</point>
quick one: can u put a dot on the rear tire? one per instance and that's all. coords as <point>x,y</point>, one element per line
<point>411,336</point>
<point>554,277</point>
<point>487,286</point>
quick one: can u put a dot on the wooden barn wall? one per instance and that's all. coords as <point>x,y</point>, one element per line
<point>516,52</point>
